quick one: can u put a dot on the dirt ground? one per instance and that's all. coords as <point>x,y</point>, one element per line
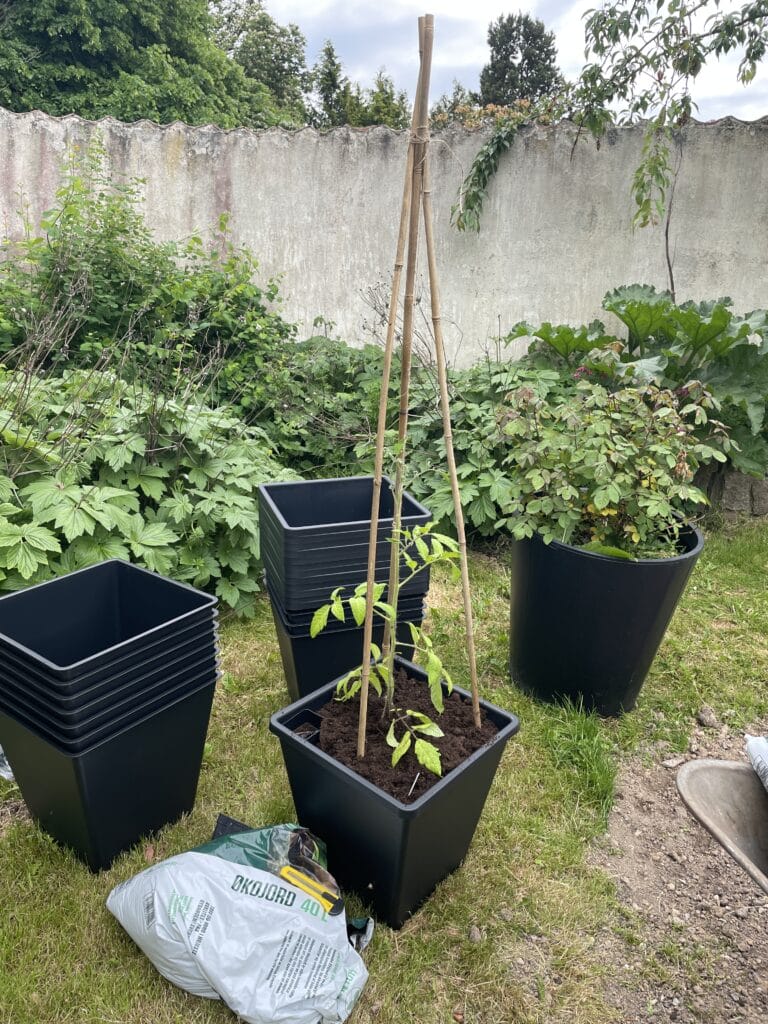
<point>695,947</point>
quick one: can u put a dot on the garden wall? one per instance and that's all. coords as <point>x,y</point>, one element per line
<point>322,210</point>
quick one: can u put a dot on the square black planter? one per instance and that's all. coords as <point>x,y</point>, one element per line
<point>391,854</point>
<point>130,660</point>
<point>71,625</point>
<point>104,799</point>
<point>98,721</point>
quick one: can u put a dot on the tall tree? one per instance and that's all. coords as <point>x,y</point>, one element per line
<point>384,105</point>
<point>523,61</point>
<point>127,58</point>
<point>272,55</point>
<point>329,82</point>
<point>643,59</point>
<point>344,102</point>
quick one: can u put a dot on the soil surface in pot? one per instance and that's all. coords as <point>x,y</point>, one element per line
<point>408,780</point>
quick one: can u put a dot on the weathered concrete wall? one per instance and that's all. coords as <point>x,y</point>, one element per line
<point>322,212</point>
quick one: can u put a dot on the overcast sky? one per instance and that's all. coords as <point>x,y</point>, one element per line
<point>368,36</point>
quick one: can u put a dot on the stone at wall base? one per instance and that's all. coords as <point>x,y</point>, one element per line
<point>735,494</point>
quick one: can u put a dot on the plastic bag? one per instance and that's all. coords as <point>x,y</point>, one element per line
<point>5,768</point>
<point>253,919</point>
<point>757,751</point>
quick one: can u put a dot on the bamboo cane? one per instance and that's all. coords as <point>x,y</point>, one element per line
<point>442,376</point>
<point>382,420</point>
<point>419,152</point>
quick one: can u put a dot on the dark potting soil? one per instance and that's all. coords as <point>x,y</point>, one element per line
<point>338,738</point>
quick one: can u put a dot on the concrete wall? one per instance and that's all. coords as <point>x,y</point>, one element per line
<point>322,211</point>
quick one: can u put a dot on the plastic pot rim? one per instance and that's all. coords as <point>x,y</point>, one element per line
<point>264,494</point>
<point>691,552</point>
<point>68,718</point>
<point>118,666</point>
<point>417,616</point>
<point>61,745</point>
<point>51,689</point>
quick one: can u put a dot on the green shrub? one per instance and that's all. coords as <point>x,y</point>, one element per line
<point>95,467</point>
<point>318,402</point>
<point>478,411</point>
<point>90,286</point>
<point>609,471</point>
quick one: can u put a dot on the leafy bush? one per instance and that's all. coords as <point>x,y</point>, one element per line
<point>478,411</point>
<point>674,345</point>
<point>609,471</point>
<point>95,467</point>
<point>318,402</point>
<point>90,286</point>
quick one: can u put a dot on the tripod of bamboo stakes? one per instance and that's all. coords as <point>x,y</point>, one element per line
<point>417,198</point>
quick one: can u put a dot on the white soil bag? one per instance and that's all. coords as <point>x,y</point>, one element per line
<point>223,922</point>
<point>757,752</point>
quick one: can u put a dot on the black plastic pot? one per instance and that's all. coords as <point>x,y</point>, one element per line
<point>587,627</point>
<point>391,854</point>
<point>311,594</point>
<point>324,555</point>
<point>101,718</point>
<point>102,800</point>
<point>74,624</point>
<point>154,656</point>
<point>110,689</point>
<point>338,574</point>
<point>309,663</point>
<point>309,515</point>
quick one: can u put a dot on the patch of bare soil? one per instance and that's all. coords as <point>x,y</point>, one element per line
<point>10,811</point>
<point>695,948</point>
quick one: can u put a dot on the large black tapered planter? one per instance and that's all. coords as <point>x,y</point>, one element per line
<point>390,853</point>
<point>586,626</point>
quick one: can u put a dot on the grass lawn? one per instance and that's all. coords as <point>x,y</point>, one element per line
<point>525,893</point>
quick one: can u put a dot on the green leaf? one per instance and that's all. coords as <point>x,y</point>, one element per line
<point>122,453</point>
<point>641,308</point>
<point>387,611</point>
<point>319,620</point>
<point>227,592</point>
<point>24,559</point>
<point>74,522</point>
<point>357,607</point>
<point>152,534</point>
<point>150,481</point>
<point>27,547</point>
<point>402,748</point>
<point>7,488</point>
<point>434,678</point>
<point>391,738</point>
<point>428,756</point>
<point>424,725</point>
<point>348,685</point>
<point>607,549</point>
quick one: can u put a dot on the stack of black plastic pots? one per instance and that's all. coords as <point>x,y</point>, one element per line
<point>314,539</point>
<point>107,678</point>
